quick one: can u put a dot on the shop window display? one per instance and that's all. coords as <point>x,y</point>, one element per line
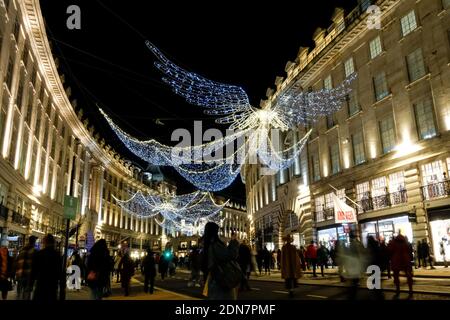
<point>440,230</point>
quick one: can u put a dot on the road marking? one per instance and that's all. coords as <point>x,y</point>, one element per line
<point>276,291</point>
<point>314,296</point>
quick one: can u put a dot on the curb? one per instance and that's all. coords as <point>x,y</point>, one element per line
<point>343,286</point>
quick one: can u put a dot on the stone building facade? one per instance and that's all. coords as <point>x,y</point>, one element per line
<point>387,149</point>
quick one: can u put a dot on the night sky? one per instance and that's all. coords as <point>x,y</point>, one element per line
<point>106,63</point>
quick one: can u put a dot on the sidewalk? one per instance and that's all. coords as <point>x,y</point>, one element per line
<point>136,293</point>
<point>426,285</point>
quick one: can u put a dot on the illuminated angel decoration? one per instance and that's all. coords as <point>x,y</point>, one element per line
<point>252,126</point>
<point>187,213</point>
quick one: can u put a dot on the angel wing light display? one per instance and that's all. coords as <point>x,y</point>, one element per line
<point>186,213</point>
<point>254,127</point>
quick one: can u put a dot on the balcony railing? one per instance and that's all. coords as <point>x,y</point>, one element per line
<point>19,219</point>
<point>436,190</point>
<point>383,201</point>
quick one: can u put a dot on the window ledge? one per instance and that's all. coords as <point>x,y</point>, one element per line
<point>442,13</point>
<point>418,29</point>
<point>382,53</point>
<point>412,84</point>
<point>359,113</point>
<point>376,103</point>
<point>332,128</point>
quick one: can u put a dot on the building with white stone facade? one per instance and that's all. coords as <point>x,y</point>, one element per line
<point>387,149</point>
<point>43,135</point>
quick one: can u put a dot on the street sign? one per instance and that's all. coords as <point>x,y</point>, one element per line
<point>70,207</point>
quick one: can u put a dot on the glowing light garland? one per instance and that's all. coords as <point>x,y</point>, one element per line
<point>252,126</point>
<point>185,213</point>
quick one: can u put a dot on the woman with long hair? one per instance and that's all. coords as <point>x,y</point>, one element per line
<point>216,253</point>
<point>98,269</point>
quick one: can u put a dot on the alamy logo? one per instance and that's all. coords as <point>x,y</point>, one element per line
<point>74,20</point>
<point>73,277</point>
<point>374,279</point>
<point>374,18</point>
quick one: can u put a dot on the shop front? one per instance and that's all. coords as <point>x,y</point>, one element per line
<point>386,228</point>
<point>440,233</point>
<point>328,236</point>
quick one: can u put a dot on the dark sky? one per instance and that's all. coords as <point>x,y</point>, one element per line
<point>107,62</point>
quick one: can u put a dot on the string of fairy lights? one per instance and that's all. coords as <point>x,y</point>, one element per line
<point>257,132</point>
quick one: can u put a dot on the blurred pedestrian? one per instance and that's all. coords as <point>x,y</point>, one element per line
<point>442,251</point>
<point>278,259</point>
<point>311,256</point>
<point>354,262</point>
<point>163,266</point>
<point>339,249</point>
<point>260,260</point>
<point>219,261</point>
<point>322,257</point>
<point>98,269</point>
<point>244,260</point>
<point>290,265</point>
<point>126,269</point>
<point>75,260</point>
<point>148,269</point>
<point>6,265</point>
<point>401,261</point>
<point>267,260</point>
<point>46,271</point>
<point>425,253</point>
<point>301,254</point>
<point>375,259</point>
<point>195,267</point>
<point>24,266</point>
<point>117,259</point>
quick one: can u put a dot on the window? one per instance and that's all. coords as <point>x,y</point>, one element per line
<point>319,204</point>
<point>425,119</point>
<point>315,167</point>
<point>416,66</point>
<point>397,188</point>
<point>375,47</point>
<point>380,86</point>
<point>432,172</point>
<point>334,158</point>
<point>9,73</point>
<point>363,197</point>
<point>349,67</point>
<point>358,148</point>
<point>387,131</point>
<point>327,83</point>
<point>379,193</point>
<point>408,23</point>
<point>352,103</point>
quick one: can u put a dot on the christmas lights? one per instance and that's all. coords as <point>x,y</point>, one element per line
<point>186,213</point>
<point>252,127</point>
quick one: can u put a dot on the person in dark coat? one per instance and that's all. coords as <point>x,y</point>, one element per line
<point>195,265</point>
<point>126,268</point>
<point>148,269</point>
<point>24,266</point>
<point>267,260</point>
<point>322,257</point>
<point>47,271</point>
<point>215,252</point>
<point>279,259</point>
<point>385,259</point>
<point>401,261</point>
<point>375,259</point>
<point>245,260</point>
<point>163,266</point>
<point>419,251</point>
<point>5,269</point>
<point>260,260</point>
<point>98,269</point>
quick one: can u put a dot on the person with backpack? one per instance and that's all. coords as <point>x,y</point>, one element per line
<point>219,261</point>
<point>290,265</point>
<point>24,266</point>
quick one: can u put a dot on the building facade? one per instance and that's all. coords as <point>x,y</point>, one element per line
<point>387,149</point>
<point>49,150</point>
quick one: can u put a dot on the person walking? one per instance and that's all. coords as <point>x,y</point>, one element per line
<point>219,259</point>
<point>322,257</point>
<point>117,259</point>
<point>339,250</point>
<point>126,269</point>
<point>425,248</point>
<point>311,256</point>
<point>375,259</point>
<point>267,260</point>
<point>46,271</point>
<point>260,260</point>
<point>24,266</point>
<point>98,269</point>
<point>195,266</point>
<point>442,251</point>
<point>244,260</point>
<point>354,262</point>
<point>148,269</point>
<point>290,265</point>
<point>163,266</point>
<point>385,263</point>
<point>401,261</point>
<point>5,269</point>
<point>75,260</point>
<point>301,254</point>
<point>279,259</point>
